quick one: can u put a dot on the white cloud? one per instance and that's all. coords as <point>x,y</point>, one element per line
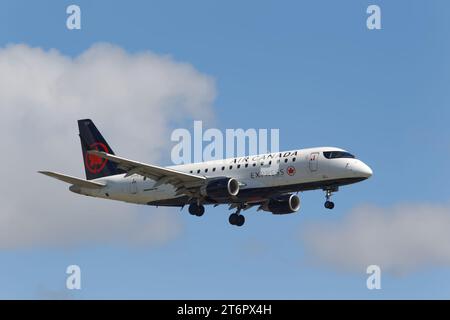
<point>400,239</point>
<point>134,99</point>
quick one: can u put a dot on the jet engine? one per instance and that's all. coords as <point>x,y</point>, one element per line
<point>221,188</point>
<point>284,204</point>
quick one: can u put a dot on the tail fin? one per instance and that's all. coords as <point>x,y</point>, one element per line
<point>91,139</point>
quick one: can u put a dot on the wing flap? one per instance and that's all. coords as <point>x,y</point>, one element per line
<point>73,180</point>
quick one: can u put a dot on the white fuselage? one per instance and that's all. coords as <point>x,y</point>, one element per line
<point>296,170</point>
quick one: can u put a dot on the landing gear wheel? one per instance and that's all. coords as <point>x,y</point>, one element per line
<point>241,221</point>
<point>200,211</point>
<point>193,208</point>
<point>233,219</point>
<point>236,220</point>
<point>329,204</point>
<point>196,210</point>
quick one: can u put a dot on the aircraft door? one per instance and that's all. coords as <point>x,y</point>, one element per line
<point>313,161</point>
<point>133,185</point>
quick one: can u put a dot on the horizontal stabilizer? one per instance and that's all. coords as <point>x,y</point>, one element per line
<point>72,180</point>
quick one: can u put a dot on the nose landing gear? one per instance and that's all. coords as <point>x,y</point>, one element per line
<point>328,203</point>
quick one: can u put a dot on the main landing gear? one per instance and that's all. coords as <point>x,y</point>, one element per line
<point>329,204</point>
<point>196,209</point>
<point>237,219</point>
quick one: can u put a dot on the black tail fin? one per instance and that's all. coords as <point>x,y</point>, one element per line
<point>91,139</point>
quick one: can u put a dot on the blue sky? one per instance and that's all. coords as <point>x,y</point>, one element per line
<point>311,69</point>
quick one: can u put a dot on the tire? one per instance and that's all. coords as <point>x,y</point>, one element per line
<point>329,205</point>
<point>233,219</point>
<point>240,221</point>
<point>196,210</point>
<point>200,211</point>
<point>193,209</point>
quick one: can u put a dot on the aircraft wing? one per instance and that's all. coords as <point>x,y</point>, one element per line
<point>72,180</point>
<point>180,180</point>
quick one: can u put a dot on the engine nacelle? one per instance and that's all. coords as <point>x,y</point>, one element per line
<point>221,188</point>
<point>284,204</point>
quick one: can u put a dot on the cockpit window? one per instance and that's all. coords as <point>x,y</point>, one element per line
<point>337,154</point>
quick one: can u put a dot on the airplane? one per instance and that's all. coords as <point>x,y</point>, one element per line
<point>270,181</point>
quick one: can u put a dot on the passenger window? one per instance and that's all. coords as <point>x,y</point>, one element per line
<point>214,169</point>
<point>246,165</point>
<point>293,159</point>
<point>254,164</point>
<point>231,167</point>
<point>198,171</point>
<point>239,166</point>
<point>286,160</point>
<point>206,170</point>
<point>223,168</point>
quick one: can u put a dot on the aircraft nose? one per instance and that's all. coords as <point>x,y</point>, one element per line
<point>363,170</point>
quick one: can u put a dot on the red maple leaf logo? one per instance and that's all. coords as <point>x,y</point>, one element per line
<point>95,164</point>
<point>291,171</point>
